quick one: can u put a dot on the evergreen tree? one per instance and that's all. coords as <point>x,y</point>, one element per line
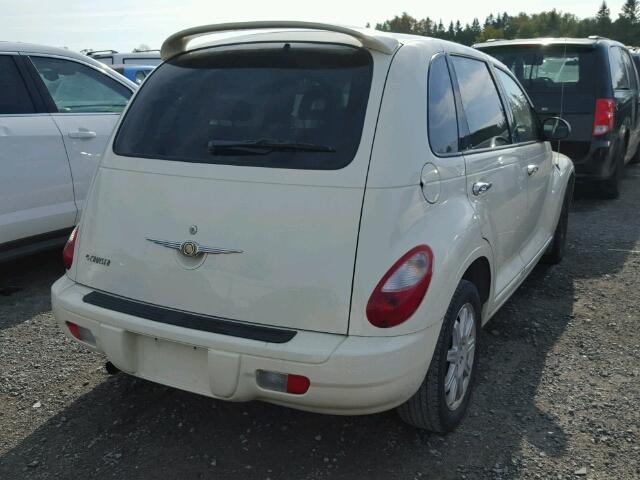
<point>626,28</point>
<point>604,14</point>
<point>630,11</point>
<point>451,33</point>
<point>476,30</point>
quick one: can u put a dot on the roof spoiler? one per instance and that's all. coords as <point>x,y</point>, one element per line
<point>178,42</point>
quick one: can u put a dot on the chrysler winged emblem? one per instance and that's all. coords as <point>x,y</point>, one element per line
<point>191,248</point>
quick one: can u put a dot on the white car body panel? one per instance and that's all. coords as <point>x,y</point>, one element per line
<point>315,244</point>
<point>85,139</point>
<point>502,209</point>
<point>36,191</point>
<point>45,172</point>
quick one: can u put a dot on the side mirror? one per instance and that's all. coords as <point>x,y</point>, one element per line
<point>555,128</point>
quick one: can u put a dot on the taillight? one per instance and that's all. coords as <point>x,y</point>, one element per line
<point>67,253</point>
<point>283,382</point>
<point>81,333</point>
<point>400,292</point>
<point>604,117</point>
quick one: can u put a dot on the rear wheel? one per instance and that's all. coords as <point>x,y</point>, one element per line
<point>636,157</point>
<point>610,188</point>
<point>442,399</point>
<point>556,250</point>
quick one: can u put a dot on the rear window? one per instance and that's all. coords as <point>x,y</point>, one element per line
<point>306,102</point>
<point>550,68</point>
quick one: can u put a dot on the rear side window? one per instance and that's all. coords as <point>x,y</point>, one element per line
<point>636,61</point>
<point>14,97</point>
<point>442,119</point>
<point>631,71</point>
<point>293,105</point>
<point>525,124</point>
<point>549,69</point>
<point>619,77</point>
<point>483,110</point>
<point>77,88</point>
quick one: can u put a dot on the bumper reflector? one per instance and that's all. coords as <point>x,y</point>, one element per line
<point>282,382</point>
<point>81,333</point>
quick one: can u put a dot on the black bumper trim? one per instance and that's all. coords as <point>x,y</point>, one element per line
<point>192,321</point>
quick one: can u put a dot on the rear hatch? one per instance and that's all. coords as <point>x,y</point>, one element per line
<point>257,152</point>
<point>560,80</point>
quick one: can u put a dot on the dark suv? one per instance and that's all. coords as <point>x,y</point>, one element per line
<point>593,84</point>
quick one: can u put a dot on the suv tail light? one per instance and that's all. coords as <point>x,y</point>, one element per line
<point>400,292</point>
<point>70,246</point>
<point>604,117</point>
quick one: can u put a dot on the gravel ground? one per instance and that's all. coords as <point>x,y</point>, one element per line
<point>558,394</point>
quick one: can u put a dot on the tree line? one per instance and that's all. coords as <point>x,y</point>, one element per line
<point>625,28</point>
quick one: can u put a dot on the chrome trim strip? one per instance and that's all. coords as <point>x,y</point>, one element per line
<point>199,248</point>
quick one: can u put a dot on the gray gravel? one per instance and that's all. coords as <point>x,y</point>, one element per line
<point>558,393</point>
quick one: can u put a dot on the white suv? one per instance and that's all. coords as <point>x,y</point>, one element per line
<point>315,216</point>
<point>57,111</point>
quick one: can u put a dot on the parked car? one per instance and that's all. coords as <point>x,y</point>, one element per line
<point>635,56</point>
<point>112,57</point>
<point>57,110</point>
<point>592,83</point>
<point>321,220</point>
<point>135,73</point>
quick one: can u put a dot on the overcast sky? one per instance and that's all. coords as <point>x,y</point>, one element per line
<point>122,24</point>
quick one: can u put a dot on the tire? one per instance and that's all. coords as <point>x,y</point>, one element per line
<point>610,188</point>
<point>558,246</point>
<point>636,157</point>
<point>429,408</point>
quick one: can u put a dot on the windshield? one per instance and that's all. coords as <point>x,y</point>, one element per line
<point>548,69</point>
<point>290,94</point>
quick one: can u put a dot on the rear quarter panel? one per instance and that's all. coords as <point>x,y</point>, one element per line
<point>395,215</point>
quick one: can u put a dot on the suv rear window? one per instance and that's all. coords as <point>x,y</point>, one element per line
<point>309,100</point>
<point>547,69</point>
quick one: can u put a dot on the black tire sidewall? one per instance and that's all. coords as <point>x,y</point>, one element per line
<point>465,293</point>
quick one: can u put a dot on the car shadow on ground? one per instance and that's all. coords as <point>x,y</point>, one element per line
<point>24,284</point>
<point>130,428</point>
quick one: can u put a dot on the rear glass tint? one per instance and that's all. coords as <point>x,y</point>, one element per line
<point>312,97</point>
<point>548,69</point>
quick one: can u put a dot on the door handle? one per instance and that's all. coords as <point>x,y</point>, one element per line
<point>481,187</point>
<point>532,170</point>
<point>82,133</point>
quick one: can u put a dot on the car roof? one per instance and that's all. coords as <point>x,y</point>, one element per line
<point>20,47</point>
<point>590,41</point>
<point>33,48</point>
<point>147,54</point>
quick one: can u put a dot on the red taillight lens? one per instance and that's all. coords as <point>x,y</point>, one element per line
<point>283,382</point>
<point>400,292</point>
<point>67,253</point>
<point>297,384</point>
<point>81,333</point>
<point>74,329</point>
<point>604,117</point>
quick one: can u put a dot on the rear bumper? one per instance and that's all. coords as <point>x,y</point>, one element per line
<point>349,374</point>
<point>598,164</point>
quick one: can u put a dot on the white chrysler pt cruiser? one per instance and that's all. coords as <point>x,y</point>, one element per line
<point>315,216</point>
